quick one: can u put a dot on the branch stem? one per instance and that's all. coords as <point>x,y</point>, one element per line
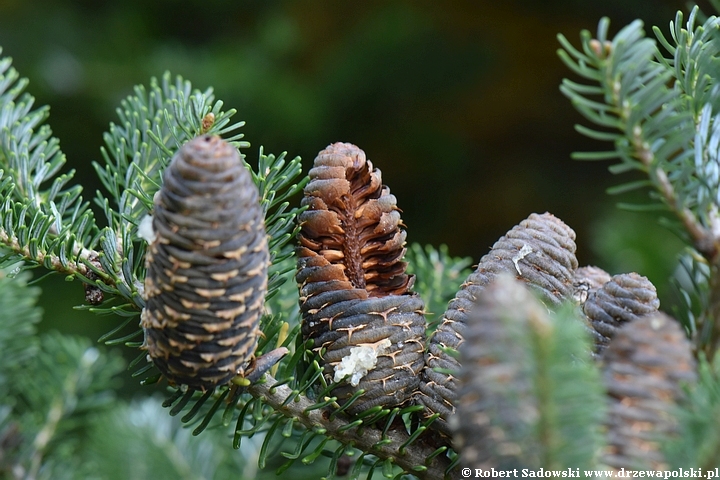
<point>70,267</point>
<point>366,440</point>
<point>702,237</point>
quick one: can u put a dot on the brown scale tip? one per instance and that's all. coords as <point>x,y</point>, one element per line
<point>644,368</point>
<point>353,221</point>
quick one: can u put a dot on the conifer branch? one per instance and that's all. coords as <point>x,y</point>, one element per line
<point>652,102</point>
<point>662,116</point>
<point>370,440</point>
<point>702,237</point>
<point>50,261</point>
<point>44,221</point>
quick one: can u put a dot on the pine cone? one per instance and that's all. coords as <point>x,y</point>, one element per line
<point>354,292</point>
<point>623,299</point>
<point>541,252</point>
<point>643,368</point>
<point>495,402</point>
<point>207,267</point>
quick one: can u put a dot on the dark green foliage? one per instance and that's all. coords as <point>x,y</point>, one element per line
<point>148,444</point>
<point>18,346</point>
<point>19,315</point>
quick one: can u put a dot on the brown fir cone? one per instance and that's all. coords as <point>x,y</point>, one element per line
<point>541,252</point>
<point>495,402</point>
<point>206,267</point>
<point>644,368</point>
<point>354,292</point>
<point>621,300</point>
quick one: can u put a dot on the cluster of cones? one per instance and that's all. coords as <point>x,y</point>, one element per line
<point>207,277</point>
<point>360,313</point>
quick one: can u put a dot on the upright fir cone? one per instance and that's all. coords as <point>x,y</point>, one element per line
<point>495,401</point>
<point>354,292</point>
<point>644,368</point>
<point>621,300</point>
<point>539,251</point>
<point>206,267</point>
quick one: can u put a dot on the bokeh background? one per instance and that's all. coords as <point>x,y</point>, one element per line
<point>457,102</point>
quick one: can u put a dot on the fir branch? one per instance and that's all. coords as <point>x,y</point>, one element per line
<point>655,104</point>
<point>44,221</point>
<point>71,382</point>
<point>278,181</point>
<point>666,115</point>
<point>51,387</point>
<point>691,284</point>
<point>371,440</point>
<point>18,345</point>
<point>146,443</point>
<point>20,314</point>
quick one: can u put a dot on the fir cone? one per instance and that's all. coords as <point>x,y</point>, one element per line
<point>541,252</point>
<point>354,292</point>
<point>621,300</point>
<point>206,267</point>
<point>495,401</point>
<point>643,368</point>
<point>587,280</point>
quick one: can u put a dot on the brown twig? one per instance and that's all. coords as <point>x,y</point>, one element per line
<point>703,238</point>
<point>11,242</point>
<point>367,439</point>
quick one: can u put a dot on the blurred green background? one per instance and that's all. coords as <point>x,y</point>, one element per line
<point>456,102</point>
